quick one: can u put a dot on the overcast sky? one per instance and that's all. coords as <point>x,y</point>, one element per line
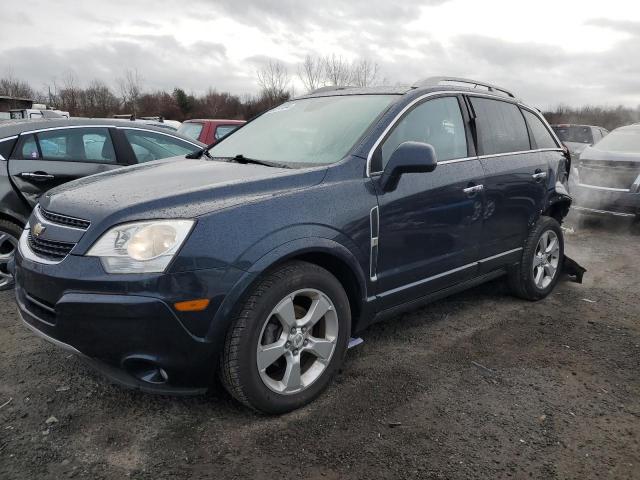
<point>548,51</point>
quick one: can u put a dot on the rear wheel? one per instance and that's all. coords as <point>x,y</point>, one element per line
<point>542,258</point>
<point>9,235</point>
<point>289,339</point>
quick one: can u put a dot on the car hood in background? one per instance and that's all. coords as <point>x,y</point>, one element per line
<point>173,188</point>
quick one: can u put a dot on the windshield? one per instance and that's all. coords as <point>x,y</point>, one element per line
<point>313,131</point>
<point>191,129</point>
<point>574,133</point>
<point>621,141</point>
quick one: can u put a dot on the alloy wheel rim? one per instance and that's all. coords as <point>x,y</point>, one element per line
<point>297,341</point>
<point>8,245</point>
<point>546,259</point>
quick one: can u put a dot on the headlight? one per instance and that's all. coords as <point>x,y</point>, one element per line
<point>141,247</point>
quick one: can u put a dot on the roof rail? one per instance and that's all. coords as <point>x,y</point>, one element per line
<point>330,88</point>
<point>433,81</point>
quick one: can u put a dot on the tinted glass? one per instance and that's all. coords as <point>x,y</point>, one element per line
<point>313,131</point>
<point>77,145</point>
<point>501,127</point>
<point>191,130</point>
<point>574,133</point>
<point>539,132</point>
<point>224,130</point>
<point>625,140</point>
<point>437,122</point>
<point>28,148</point>
<point>149,146</point>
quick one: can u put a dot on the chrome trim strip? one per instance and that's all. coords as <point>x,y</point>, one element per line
<point>64,128</point>
<point>9,138</point>
<point>603,212</point>
<point>26,252</point>
<point>448,272</point>
<point>375,238</point>
<point>596,187</point>
<point>49,339</point>
<point>457,92</point>
<point>508,252</point>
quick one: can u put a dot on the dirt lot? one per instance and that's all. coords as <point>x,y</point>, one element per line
<point>480,385</point>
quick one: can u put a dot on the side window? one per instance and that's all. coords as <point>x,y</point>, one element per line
<point>149,146</point>
<point>77,145</point>
<point>224,130</point>
<point>540,134</point>
<point>438,122</point>
<point>501,127</point>
<point>27,148</point>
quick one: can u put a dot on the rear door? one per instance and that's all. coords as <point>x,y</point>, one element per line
<point>515,176</point>
<point>48,158</point>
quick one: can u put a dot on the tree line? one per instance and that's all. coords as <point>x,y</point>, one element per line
<point>275,79</point>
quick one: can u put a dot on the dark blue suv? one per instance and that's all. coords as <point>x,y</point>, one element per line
<point>259,258</point>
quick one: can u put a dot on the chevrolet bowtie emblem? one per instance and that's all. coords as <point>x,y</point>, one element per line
<point>38,229</point>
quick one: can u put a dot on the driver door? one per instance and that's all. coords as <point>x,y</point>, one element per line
<point>430,225</point>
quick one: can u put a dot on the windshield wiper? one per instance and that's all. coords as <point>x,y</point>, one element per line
<point>244,160</point>
<point>198,153</point>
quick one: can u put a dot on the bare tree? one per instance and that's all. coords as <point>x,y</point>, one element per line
<point>12,87</point>
<point>274,80</point>
<point>70,93</point>
<point>130,87</point>
<point>337,71</point>
<point>364,72</point>
<point>311,72</point>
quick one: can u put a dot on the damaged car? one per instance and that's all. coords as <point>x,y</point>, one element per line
<point>606,178</point>
<point>259,258</point>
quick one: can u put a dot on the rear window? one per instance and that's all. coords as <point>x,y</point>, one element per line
<point>191,130</point>
<point>574,133</point>
<point>540,134</point>
<point>501,127</point>
<point>224,130</point>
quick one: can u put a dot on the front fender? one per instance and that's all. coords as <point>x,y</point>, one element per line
<point>279,254</point>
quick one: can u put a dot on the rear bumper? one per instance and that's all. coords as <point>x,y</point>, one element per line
<point>605,201</point>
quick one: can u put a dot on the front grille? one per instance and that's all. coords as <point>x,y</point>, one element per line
<point>608,174</point>
<point>40,309</point>
<point>65,220</point>
<point>49,249</point>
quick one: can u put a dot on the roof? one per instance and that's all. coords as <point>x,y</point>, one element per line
<point>22,99</point>
<point>10,128</point>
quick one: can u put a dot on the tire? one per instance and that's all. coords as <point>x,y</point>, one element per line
<point>523,277</point>
<point>9,237</point>
<point>266,326</point>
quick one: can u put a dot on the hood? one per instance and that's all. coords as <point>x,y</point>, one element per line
<point>594,153</point>
<point>172,188</point>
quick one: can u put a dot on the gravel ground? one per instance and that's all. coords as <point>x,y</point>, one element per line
<point>480,385</point>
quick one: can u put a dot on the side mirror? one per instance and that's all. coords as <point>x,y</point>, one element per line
<point>408,157</point>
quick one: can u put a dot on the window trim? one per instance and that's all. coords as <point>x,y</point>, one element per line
<point>377,149</point>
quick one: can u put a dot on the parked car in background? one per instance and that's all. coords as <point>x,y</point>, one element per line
<point>36,113</point>
<point>606,178</point>
<point>37,155</point>
<point>209,131</point>
<point>261,259</point>
<point>578,137</point>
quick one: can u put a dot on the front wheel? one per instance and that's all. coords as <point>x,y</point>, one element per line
<point>542,259</point>
<point>288,340</point>
<point>9,238</point>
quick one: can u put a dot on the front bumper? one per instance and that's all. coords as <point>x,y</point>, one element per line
<point>607,201</point>
<point>125,325</point>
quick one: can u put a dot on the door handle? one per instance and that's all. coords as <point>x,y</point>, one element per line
<point>36,176</point>
<point>539,176</point>
<point>473,190</point>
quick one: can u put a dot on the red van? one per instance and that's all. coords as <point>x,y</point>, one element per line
<point>208,131</point>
